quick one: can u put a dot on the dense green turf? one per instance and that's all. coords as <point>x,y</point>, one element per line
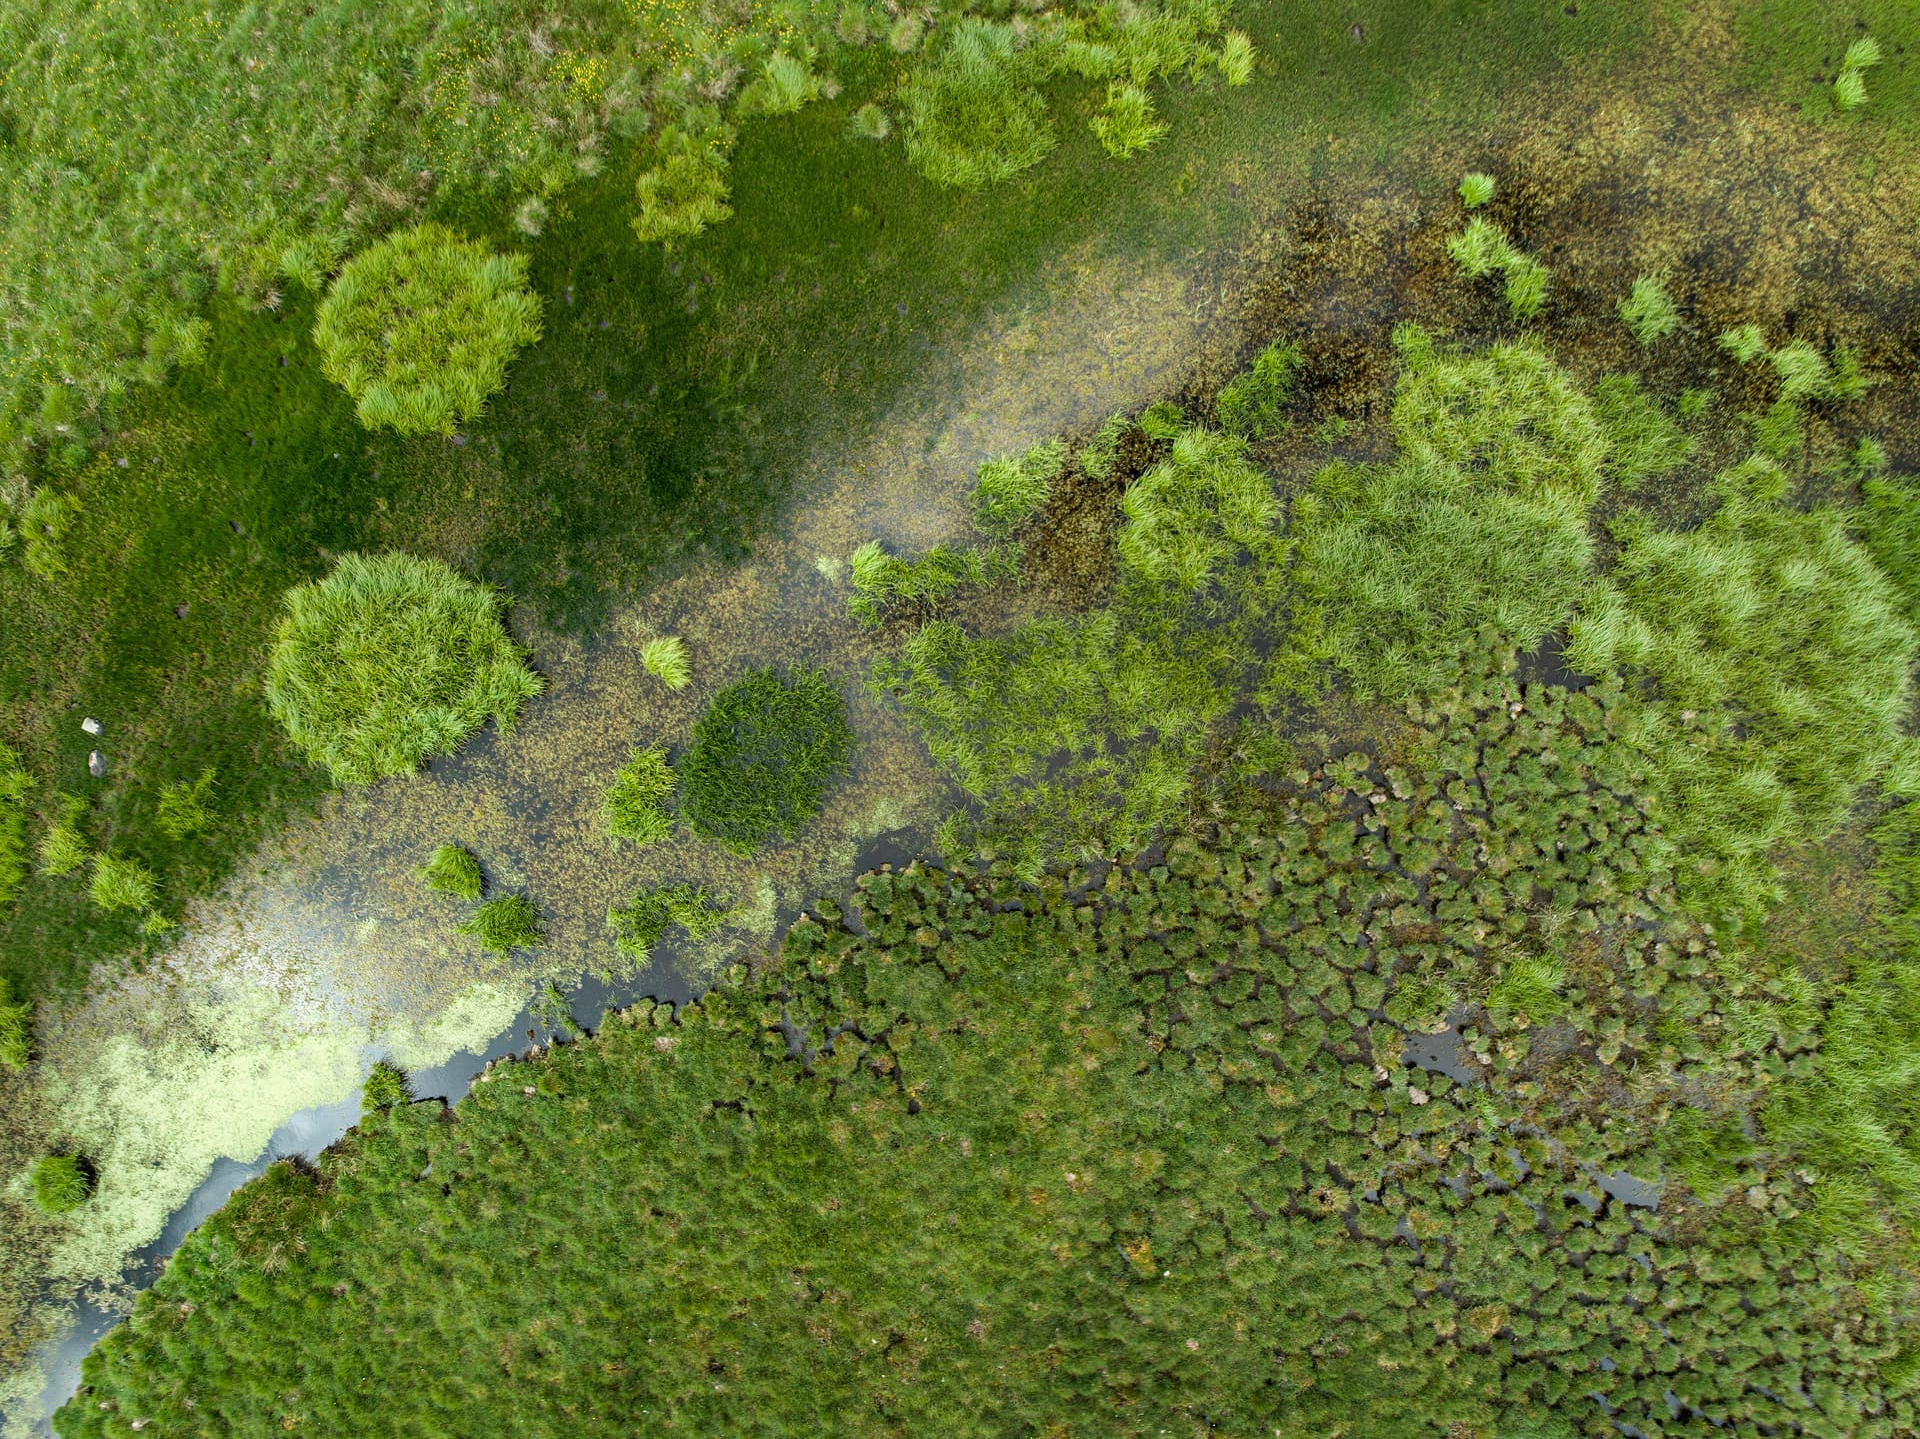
<point>763,755</point>
<point>1098,1161</point>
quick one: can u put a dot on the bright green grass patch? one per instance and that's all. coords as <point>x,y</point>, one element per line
<point>1782,659</point>
<point>1482,248</point>
<point>183,810</point>
<point>63,848</point>
<point>16,1029</point>
<point>15,786</point>
<point>763,756</point>
<point>1643,441</point>
<point>1190,516</point>
<point>1127,123</point>
<point>386,1086</point>
<point>1648,311</point>
<point>454,870</point>
<point>504,923</point>
<point>1476,189</point>
<point>60,1183</point>
<point>665,658</point>
<point>643,922</point>
<point>419,329</point>
<point>391,660</point>
<point>1251,403</point>
<point>1889,523</point>
<point>1215,1173</point>
<point>120,882</point>
<point>883,581</point>
<point>1010,491</point>
<point>637,806</point>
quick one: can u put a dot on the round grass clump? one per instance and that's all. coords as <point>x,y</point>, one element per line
<point>120,883</point>
<point>506,922</point>
<point>763,756</point>
<point>419,329</point>
<point>454,870</point>
<point>60,1183</point>
<point>665,658</point>
<point>390,660</point>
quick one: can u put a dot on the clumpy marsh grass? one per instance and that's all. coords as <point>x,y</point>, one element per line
<point>665,658</point>
<point>454,870</point>
<point>505,923</point>
<point>762,756</point>
<point>638,806</point>
<point>390,660</point>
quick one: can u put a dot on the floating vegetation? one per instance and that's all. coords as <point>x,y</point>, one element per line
<point>762,757</point>
<point>505,923</point>
<point>637,807</point>
<point>389,660</point>
<point>454,870</point>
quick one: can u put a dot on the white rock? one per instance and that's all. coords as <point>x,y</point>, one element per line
<point>90,725</point>
<point>96,764</point>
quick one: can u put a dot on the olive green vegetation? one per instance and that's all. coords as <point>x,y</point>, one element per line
<point>1649,311</point>
<point>16,1029</point>
<point>60,1183</point>
<point>389,661</point>
<point>723,366</point>
<point>1141,1143</point>
<point>504,923</point>
<point>63,847</point>
<point>419,328</point>
<point>1009,492</point>
<point>763,756</point>
<point>16,785</point>
<point>665,658</point>
<point>638,803</point>
<point>454,870</point>
<point>643,922</point>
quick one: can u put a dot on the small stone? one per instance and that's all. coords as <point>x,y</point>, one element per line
<point>1417,1096</point>
<point>90,725</point>
<point>1358,33</point>
<point>96,764</point>
<point>180,610</point>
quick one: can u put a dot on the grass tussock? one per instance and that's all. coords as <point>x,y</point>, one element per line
<point>505,923</point>
<point>420,328</point>
<point>391,660</point>
<point>1253,403</point>
<point>1008,492</point>
<point>643,922</point>
<point>638,804</point>
<point>120,882</point>
<point>763,756</point>
<point>59,1183</point>
<point>1648,311</point>
<point>183,809</point>
<point>454,870</point>
<point>1482,248</point>
<point>16,784</point>
<point>665,658</point>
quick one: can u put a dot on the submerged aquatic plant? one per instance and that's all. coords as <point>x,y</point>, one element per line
<point>454,870</point>
<point>60,1183</point>
<point>763,756</point>
<point>389,660</point>
<point>120,883</point>
<point>1649,311</point>
<point>419,329</point>
<point>506,922</point>
<point>665,658</point>
<point>636,806</point>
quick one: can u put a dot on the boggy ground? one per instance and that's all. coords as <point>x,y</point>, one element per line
<point>1601,183</point>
